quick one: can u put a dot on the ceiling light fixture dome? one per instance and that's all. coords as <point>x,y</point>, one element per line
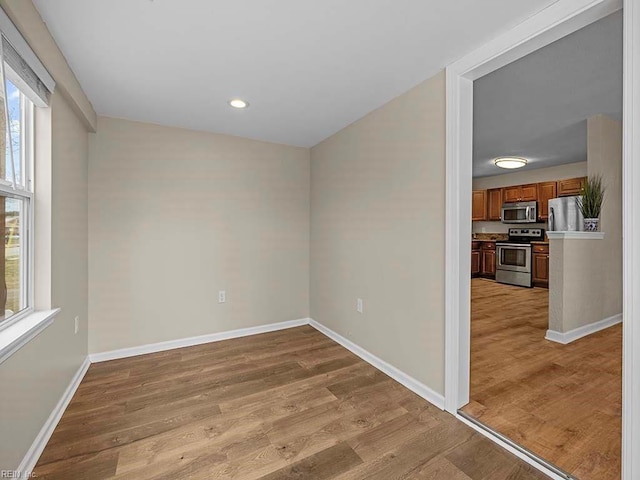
<point>238,103</point>
<point>510,162</point>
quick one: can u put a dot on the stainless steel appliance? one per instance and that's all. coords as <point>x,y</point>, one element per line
<point>520,212</point>
<point>513,257</point>
<point>564,215</point>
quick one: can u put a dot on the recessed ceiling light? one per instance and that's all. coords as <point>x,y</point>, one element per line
<point>510,162</point>
<point>238,103</point>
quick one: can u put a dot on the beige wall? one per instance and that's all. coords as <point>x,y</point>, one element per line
<point>604,143</point>
<point>577,294</point>
<point>176,216</point>
<point>586,275</point>
<point>570,170</point>
<point>38,374</point>
<point>377,232</point>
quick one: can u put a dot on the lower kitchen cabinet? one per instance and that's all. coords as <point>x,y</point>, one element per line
<point>475,263</point>
<point>475,259</point>
<point>541,266</point>
<point>488,263</point>
<point>483,259</point>
<point>488,259</point>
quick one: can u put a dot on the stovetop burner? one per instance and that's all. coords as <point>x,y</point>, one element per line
<point>525,235</point>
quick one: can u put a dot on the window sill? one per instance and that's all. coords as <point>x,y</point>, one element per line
<point>575,235</point>
<point>15,336</point>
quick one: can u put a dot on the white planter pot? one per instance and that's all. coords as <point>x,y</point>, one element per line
<point>591,224</point>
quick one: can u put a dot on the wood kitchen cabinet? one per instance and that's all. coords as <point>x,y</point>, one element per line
<point>488,260</point>
<point>546,191</point>
<point>520,193</point>
<point>494,204</point>
<point>541,266</point>
<point>475,263</point>
<point>571,186</point>
<point>479,205</point>
<point>511,194</point>
<point>529,193</point>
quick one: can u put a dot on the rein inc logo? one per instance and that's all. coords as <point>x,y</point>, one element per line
<point>16,474</point>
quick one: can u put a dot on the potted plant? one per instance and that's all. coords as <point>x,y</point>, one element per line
<point>590,203</point>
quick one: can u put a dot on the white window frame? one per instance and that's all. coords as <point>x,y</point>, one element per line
<point>24,193</point>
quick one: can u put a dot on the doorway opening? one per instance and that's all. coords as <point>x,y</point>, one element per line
<point>561,20</point>
<point>546,307</point>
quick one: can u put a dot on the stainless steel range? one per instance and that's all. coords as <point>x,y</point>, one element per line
<point>513,257</point>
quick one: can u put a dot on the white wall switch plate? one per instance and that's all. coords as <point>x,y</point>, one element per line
<point>222,296</point>
<point>359,305</point>
<point>76,325</point>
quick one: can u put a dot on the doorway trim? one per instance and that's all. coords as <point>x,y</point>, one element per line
<point>554,22</point>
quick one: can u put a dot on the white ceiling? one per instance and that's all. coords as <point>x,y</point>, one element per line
<point>308,68</point>
<point>537,107</point>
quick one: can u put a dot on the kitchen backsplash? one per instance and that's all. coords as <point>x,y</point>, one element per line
<point>491,236</point>
<point>499,227</point>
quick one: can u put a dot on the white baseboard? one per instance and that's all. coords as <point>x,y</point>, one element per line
<point>399,376</point>
<point>573,335</point>
<point>33,454</point>
<point>191,341</point>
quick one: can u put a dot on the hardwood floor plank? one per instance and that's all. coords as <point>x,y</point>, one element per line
<point>481,460</point>
<point>68,446</point>
<point>322,466</point>
<point>562,402</point>
<point>403,460</point>
<point>385,437</point>
<point>438,469</point>
<point>98,466</point>
<point>283,405</point>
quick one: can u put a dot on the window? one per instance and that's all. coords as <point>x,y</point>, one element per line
<point>16,202</point>
<point>25,84</point>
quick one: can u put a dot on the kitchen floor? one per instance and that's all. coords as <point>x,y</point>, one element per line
<point>562,402</point>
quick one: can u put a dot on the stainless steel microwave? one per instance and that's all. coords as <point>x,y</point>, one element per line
<point>520,212</point>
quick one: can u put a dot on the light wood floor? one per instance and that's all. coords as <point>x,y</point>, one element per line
<point>563,402</point>
<point>278,406</point>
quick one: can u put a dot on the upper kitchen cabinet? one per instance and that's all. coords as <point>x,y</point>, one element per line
<point>571,186</point>
<point>479,205</point>
<point>494,207</point>
<point>520,193</point>
<point>546,191</point>
<point>511,194</point>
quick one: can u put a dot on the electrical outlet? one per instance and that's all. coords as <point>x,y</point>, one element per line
<point>222,296</point>
<point>359,305</point>
<point>76,325</point>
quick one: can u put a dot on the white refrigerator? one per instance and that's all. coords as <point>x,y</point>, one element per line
<point>564,215</point>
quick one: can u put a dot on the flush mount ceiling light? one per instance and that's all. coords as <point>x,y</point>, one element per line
<point>510,162</point>
<point>238,103</point>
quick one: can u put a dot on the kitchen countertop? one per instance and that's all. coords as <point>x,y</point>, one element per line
<point>545,242</point>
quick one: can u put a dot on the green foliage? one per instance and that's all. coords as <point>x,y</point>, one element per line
<point>590,204</point>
